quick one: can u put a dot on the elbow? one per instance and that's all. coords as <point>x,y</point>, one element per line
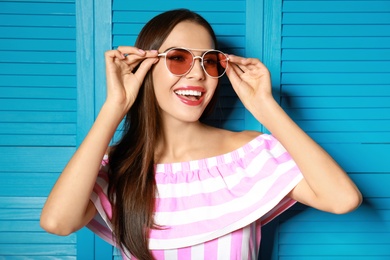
<point>349,203</point>
<point>54,226</point>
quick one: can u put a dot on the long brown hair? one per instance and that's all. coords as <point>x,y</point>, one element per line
<point>132,186</point>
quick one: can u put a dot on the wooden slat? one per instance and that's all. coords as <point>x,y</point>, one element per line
<point>37,104</point>
<point>238,6</point>
<point>344,125</point>
<point>336,30</point>
<point>35,238</point>
<point>38,140</point>
<point>336,102</point>
<point>336,18</point>
<point>336,66</point>
<point>351,137</point>
<point>335,114</point>
<point>334,227</point>
<point>38,249</point>
<point>54,159</point>
<point>332,238</point>
<point>50,55</point>
<point>19,184</point>
<point>37,69</point>
<point>37,20</point>
<point>34,7</point>
<point>336,78</point>
<point>314,257</point>
<point>52,50</point>
<point>33,93</point>
<point>41,257</point>
<point>335,42</point>
<point>336,54</point>
<point>37,33</point>
<point>23,226</point>
<point>213,16</point>
<point>41,128</point>
<point>37,81</point>
<point>37,116</point>
<point>335,250</point>
<point>336,6</point>
<point>327,90</point>
<point>360,158</point>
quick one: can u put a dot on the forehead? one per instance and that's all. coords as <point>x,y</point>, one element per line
<point>189,35</point>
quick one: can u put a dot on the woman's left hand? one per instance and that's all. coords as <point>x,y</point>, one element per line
<point>250,80</point>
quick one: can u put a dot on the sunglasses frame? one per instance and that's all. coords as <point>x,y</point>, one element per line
<point>164,54</point>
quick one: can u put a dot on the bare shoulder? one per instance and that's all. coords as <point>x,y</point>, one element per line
<point>241,138</point>
<point>234,140</point>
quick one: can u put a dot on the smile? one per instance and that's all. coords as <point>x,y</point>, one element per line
<point>191,94</point>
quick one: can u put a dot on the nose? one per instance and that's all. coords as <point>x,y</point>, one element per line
<point>196,71</point>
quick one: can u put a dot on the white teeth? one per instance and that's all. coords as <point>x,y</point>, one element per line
<point>188,93</point>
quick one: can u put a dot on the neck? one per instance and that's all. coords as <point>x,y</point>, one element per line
<point>179,140</point>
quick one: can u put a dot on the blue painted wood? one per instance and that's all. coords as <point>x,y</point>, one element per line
<point>37,116</point>
<point>38,7</point>
<point>339,114</point>
<point>335,42</point>
<point>254,36</point>
<point>336,54</point>
<point>32,51</point>
<point>38,104</point>
<point>335,102</point>
<point>332,238</point>
<point>85,18</point>
<point>37,81</point>
<point>31,250</point>
<point>336,66</point>
<point>335,85</point>
<point>37,69</point>
<point>205,6</point>
<point>332,257</point>
<point>38,121</point>
<point>32,93</point>
<point>336,18</point>
<point>37,20</point>
<point>337,78</point>
<point>336,6</point>
<point>335,250</point>
<point>103,42</point>
<point>336,90</point>
<point>337,30</point>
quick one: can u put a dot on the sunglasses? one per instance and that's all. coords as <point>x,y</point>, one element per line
<point>179,61</point>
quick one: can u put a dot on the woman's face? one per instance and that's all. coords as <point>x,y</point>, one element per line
<point>178,96</point>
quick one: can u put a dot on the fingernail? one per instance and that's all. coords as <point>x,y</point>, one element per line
<point>141,51</point>
<point>153,51</point>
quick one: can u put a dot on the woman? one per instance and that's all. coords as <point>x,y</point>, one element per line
<point>173,186</point>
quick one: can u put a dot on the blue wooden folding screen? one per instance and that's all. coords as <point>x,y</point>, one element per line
<point>330,65</point>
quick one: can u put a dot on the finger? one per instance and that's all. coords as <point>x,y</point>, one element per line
<point>234,75</point>
<point>134,59</point>
<point>127,50</point>
<point>144,67</point>
<point>248,64</point>
<point>111,54</point>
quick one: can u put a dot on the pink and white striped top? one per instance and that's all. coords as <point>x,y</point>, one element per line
<point>212,208</point>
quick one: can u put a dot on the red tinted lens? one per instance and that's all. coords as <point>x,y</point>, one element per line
<point>179,61</point>
<point>215,62</point>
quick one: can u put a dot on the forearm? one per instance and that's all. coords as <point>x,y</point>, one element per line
<point>67,203</point>
<point>329,184</point>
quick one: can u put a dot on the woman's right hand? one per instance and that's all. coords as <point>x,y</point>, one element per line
<point>123,83</point>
